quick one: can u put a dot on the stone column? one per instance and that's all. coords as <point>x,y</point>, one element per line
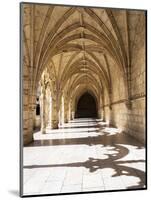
<point>54,115</point>
<point>110,108</point>
<point>43,113</point>
<point>72,111</point>
<point>99,113</point>
<point>65,111</point>
<point>33,108</point>
<point>72,115</point>
<point>61,112</point>
<point>28,111</point>
<point>102,106</point>
<point>69,112</point>
<point>27,121</point>
<point>49,107</point>
<point>103,114</point>
<point>111,116</point>
<point>27,125</point>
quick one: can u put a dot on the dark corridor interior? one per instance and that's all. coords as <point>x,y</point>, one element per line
<point>86,106</point>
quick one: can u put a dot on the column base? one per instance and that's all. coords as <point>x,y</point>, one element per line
<point>27,138</point>
<point>72,116</point>
<point>43,130</point>
<point>66,121</point>
<point>54,124</point>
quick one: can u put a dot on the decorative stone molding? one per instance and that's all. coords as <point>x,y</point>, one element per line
<point>138,96</point>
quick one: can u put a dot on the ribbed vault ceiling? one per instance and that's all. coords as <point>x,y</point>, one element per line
<point>79,46</point>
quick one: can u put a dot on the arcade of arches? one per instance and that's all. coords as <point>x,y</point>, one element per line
<point>84,97</point>
<point>70,51</point>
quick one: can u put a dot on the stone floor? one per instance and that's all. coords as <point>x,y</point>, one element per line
<point>84,155</point>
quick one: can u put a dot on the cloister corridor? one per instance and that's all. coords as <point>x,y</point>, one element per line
<point>84,99</point>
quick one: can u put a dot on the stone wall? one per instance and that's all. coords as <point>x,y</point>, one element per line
<point>130,121</point>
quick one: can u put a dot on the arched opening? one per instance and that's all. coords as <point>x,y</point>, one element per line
<point>86,106</point>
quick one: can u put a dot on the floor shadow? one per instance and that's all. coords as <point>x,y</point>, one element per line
<point>81,126</point>
<point>118,150</point>
<point>112,161</point>
<point>70,130</point>
<point>104,139</point>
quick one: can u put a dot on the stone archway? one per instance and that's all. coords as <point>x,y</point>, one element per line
<point>86,106</point>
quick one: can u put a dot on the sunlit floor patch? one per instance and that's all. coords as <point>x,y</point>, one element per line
<point>84,155</point>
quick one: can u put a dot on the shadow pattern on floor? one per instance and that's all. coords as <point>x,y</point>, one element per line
<point>115,141</point>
